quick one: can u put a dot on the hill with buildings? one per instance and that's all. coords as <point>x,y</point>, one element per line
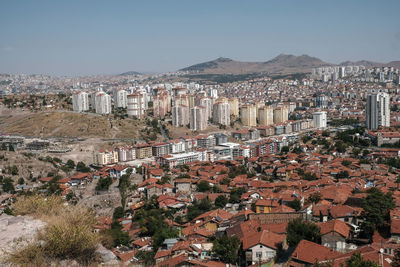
<point>282,64</point>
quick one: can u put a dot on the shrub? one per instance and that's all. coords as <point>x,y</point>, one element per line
<point>68,234</point>
<point>38,206</point>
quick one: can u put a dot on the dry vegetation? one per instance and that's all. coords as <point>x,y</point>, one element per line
<point>68,235</point>
<point>68,124</point>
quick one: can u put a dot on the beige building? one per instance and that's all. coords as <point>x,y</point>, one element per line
<point>161,104</point>
<point>281,114</point>
<point>248,115</point>
<point>143,151</point>
<point>181,100</point>
<point>233,106</point>
<point>105,157</point>
<point>266,116</point>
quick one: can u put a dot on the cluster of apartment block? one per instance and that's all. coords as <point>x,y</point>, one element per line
<point>252,115</point>
<point>136,103</point>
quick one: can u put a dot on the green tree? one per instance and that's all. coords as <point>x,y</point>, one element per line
<point>236,194</point>
<point>298,230</point>
<point>314,198</point>
<point>396,259</point>
<point>377,206</point>
<point>226,248</point>
<point>295,204</point>
<point>70,164</point>
<point>146,257</point>
<point>8,185</point>
<point>103,184</point>
<point>81,167</point>
<point>21,181</point>
<point>356,260</point>
<point>203,186</point>
<point>118,213</point>
<point>221,201</point>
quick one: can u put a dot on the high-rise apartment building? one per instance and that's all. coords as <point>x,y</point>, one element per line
<point>80,101</point>
<point>120,98</point>
<point>161,104</point>
<point>281,114</point>
<point>266,116</point>
<point>248,115</point>
<point>103,103</point>
<point>180,116</point>
<point>137,104</point>
<point>207,103</point>
<point>233,106</point>
<point>198,118</point>
<point>319,119</point>
<point>221,113</point>
<point>378,110</point>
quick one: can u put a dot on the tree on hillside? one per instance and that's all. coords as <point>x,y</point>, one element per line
<point>203,186</point>
<point>377,206</point>
<point>298,230</point>
<point>226,248</point>
<point>221,201</point>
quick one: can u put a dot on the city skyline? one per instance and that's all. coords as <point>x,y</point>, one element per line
<point>73,38</point>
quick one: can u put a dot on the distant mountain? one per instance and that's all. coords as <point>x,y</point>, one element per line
<point>128,73</point>
<point>282,64</point>
<point>366,63</point>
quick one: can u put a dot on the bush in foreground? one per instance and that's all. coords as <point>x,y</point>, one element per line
<point>67,235</point>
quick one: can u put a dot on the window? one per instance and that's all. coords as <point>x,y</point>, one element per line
<point>258,254</point>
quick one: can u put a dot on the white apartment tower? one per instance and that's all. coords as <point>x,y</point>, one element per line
<point>319,119</point>
<point>103,103</point>
<point>198,118</point>
<point>120,98</point>
<point>136,104</point>
<point>80,101</point>
<point>221,113</point>
<point>378,111</point>
<point>180,116</point>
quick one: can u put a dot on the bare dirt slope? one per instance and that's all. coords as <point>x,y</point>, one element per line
<point>66,124</point>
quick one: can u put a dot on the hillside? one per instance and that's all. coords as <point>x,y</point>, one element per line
<point>67,124</point>
<point>282,64</point>
<point>129,73</point>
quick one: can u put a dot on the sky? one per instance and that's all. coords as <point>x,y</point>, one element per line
<point>86,37</point>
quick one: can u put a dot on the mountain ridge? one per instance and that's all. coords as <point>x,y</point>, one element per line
<point>281,64</point>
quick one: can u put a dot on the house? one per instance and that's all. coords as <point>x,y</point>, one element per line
<point>334,234</point>
<point>183,185</point>
<point>261,247</point>
<point>80,178</point>
<point>395,229</point>
<point>266,205</point>
<point>307,253</point>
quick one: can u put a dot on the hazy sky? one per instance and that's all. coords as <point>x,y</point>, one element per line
<point>97,37</point>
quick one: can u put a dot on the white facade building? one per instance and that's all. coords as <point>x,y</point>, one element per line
<point>80,101</point>
<point>319,119</point>
<point>120,98</point>
<point>378,110</point>
<point>103,103</point>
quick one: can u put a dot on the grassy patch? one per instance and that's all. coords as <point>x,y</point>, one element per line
<point>67,235</point>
